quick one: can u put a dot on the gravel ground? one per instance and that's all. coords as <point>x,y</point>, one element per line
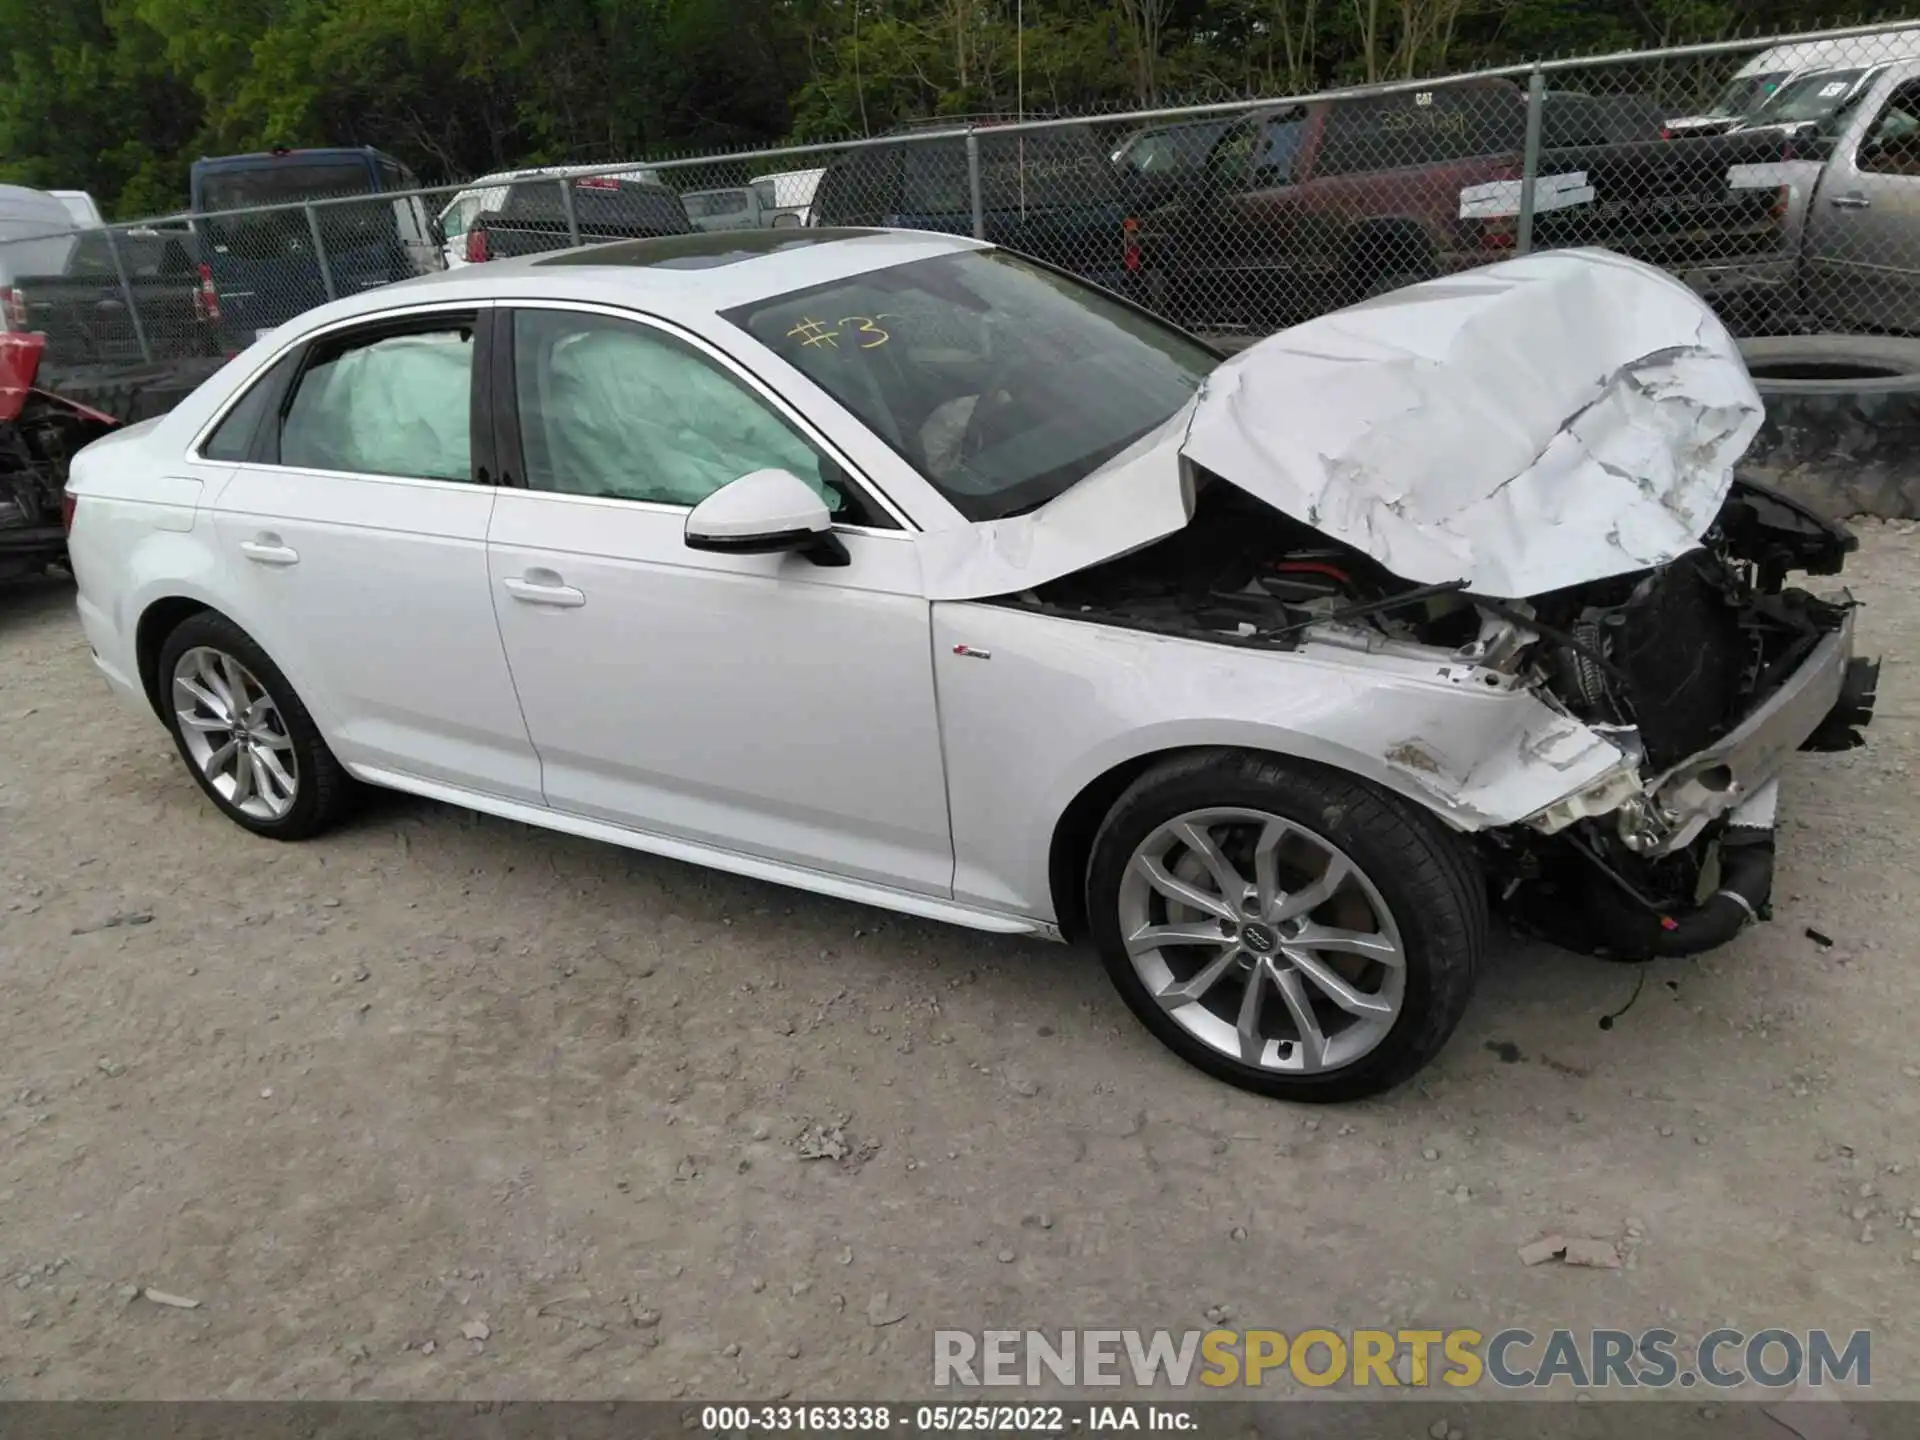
<point>654,1131</point>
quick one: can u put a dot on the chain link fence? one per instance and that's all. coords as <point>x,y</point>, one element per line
<point>1779,178</point>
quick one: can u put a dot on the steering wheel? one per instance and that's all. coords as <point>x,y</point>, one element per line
<point>1002,379</point>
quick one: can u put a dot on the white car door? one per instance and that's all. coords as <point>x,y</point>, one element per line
<point>762,704</point>
<point>354,534</point>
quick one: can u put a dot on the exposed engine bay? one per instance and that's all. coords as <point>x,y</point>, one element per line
<point>1667,662</point>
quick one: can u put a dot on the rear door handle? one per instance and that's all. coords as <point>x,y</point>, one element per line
<point>267,550</point>
<point>543,587</point>
<point>1850,202</point>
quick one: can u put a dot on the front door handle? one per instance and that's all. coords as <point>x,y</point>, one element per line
<point>1850,202</point>
<point>543,587</point>
<point>268,550</point>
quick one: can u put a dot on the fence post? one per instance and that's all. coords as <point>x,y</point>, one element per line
<point>567,209</point>
<point>1530,161</point>
<point>126,294</point>
<point>320,251</point>
<point>973,184</point>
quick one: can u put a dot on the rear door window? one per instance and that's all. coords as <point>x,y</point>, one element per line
<point>386,403</point>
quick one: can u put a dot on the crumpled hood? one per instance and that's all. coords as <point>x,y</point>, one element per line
<point>1538,423</point>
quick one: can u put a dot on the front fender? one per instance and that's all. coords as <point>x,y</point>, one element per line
<point>1054,703</point>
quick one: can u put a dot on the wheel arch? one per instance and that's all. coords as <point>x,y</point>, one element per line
<point>1070,847</point>
<point>157,621</point>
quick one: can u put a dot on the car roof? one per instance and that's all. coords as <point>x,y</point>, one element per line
<point>680,277</point>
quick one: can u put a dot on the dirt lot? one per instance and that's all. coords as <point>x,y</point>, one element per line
<point>354,1096</point>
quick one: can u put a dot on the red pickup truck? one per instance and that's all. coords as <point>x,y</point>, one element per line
<point>1300,209</point>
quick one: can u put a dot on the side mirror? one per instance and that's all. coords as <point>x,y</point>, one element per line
<point>763,513</point>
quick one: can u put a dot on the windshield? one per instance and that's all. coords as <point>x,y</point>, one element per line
<point>1000,381</point>
<point>1810,98</point>
<point>1747,93</point>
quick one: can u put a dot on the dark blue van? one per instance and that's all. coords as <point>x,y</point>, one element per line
<point>266,262</point>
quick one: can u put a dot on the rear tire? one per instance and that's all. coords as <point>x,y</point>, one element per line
<point>1379,999</point>
<point>246,737</point>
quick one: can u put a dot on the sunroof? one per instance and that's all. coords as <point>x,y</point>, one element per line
<point>699,252</point>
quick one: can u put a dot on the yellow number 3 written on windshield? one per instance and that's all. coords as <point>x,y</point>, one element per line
<point>865,332</point>
<point>866,329</point>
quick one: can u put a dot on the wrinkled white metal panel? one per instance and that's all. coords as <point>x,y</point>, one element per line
<point>1550,420</point>
<point>1139,496</point>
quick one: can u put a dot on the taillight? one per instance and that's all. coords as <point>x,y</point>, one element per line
<point>206,298</point>
<point>1130,245</point>
<point>13,309</point>
<point>1665,133</point>
<point>1782,202</point>
<point>477,252</point>
<point>1500,232</point>
<point>69,503</point>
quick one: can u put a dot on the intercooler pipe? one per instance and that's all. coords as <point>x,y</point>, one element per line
<point>1746,885</point>
<point>1634,927</point>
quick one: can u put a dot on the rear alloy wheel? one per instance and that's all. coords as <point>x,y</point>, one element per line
<point>234,734</point>
<point>1288,929</point>
<point>244,734</point>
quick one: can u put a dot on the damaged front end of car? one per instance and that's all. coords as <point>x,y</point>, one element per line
<point>1701,676</point>
<point>1708,673</point>
<point>1519,482</point>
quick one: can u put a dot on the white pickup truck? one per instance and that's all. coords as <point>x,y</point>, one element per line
<point>1855,204</point>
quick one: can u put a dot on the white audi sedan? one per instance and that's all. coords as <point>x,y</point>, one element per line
<point>900,568</point>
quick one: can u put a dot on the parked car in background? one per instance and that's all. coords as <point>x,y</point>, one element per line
<point>1052,193</point>
<point>534,218</point>
<point>904,570</point>
<point>489,192</point>
<point>80,205</point>
<point>1155,163</point>
<point>1303,208</point>
<point>87,311</point>
<point>37,237</point>
<point>787,195</point>
<point>1756,81</point>
<point>1853,135</point>
<point>266,259</point>
<point>735,207</point>
<point>40,432</point>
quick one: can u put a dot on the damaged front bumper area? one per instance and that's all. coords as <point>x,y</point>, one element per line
<point>1669,856</point>
<point>1822,706</point>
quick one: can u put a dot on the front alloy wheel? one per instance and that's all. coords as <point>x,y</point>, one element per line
<point>1288,928</point>
<point>1262,940</point>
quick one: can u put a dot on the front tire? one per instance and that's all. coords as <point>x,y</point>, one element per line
<point>246,737</point>
<point>1284,927</point>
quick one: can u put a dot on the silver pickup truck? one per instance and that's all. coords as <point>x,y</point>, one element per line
<point>1855,206</point>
